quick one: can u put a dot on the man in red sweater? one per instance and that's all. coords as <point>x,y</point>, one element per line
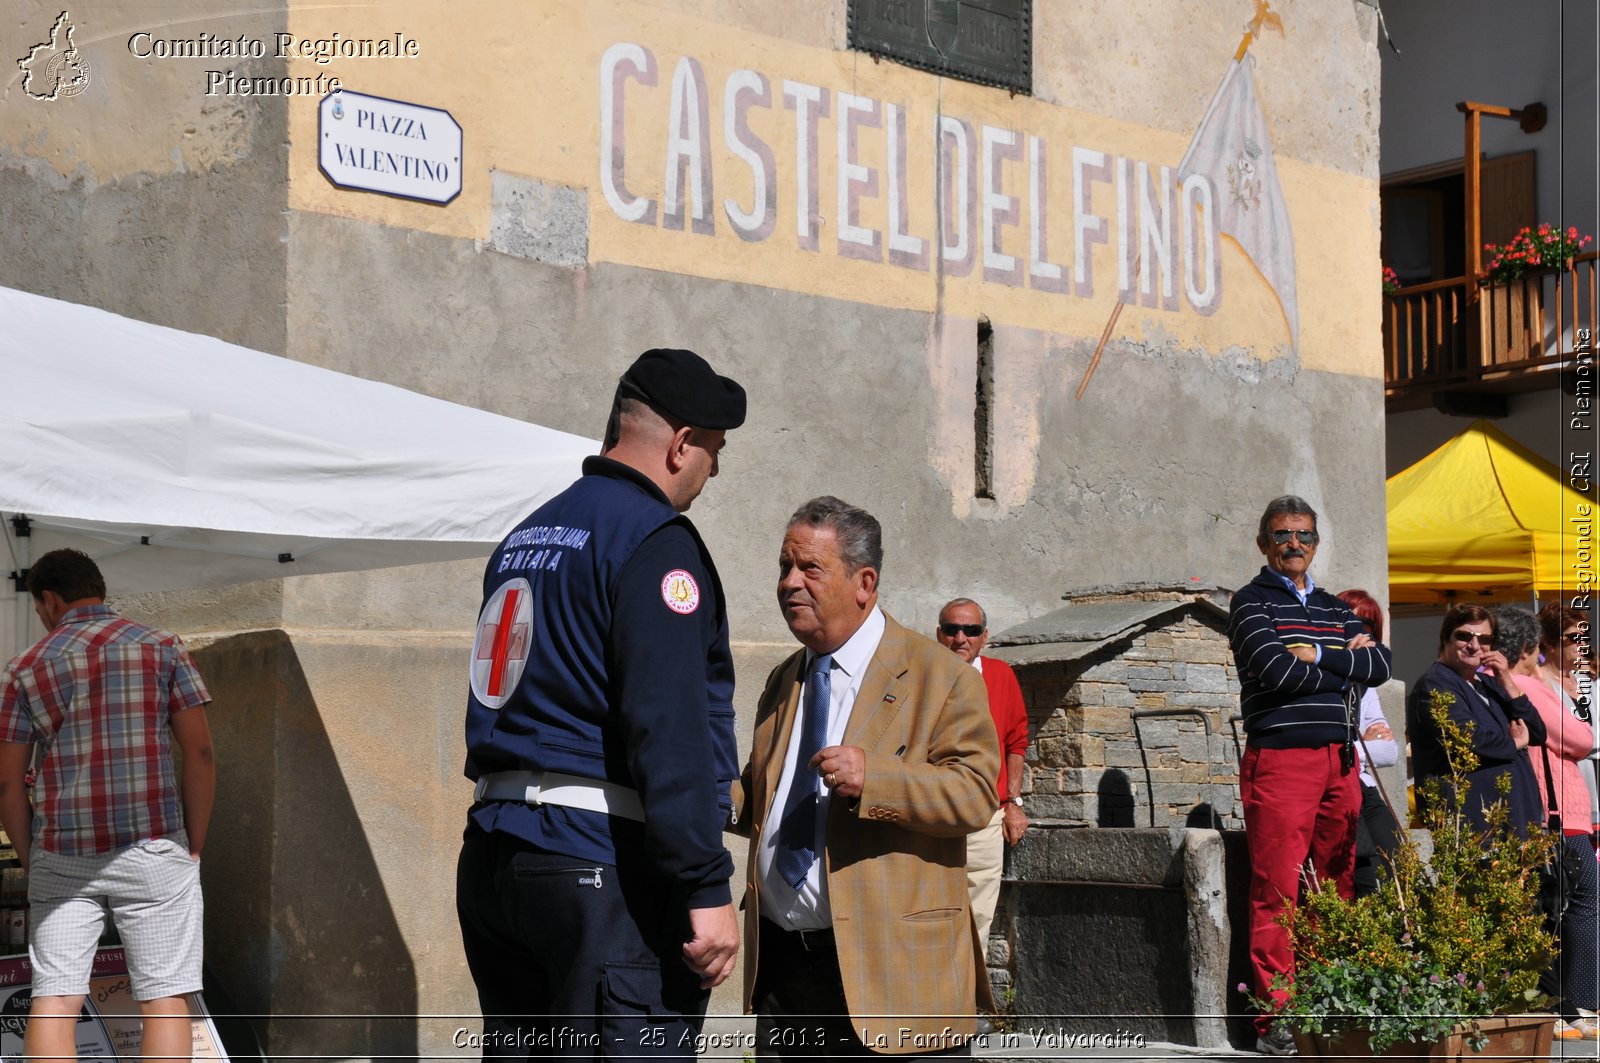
<point>964,629</point>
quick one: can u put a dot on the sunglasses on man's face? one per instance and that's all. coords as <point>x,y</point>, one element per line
<point>1307,538</point>
<point>972,631</point>
<point>1575,637</point>
<point>1465,637</point>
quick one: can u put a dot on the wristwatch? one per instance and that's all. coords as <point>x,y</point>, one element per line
<point>1013,801</point>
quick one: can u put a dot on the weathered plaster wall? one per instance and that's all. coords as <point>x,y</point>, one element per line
<point>342,801</point>
<point>366,290</point>
<point>1155,63</point>
<point>819,24</point>
<point>891,358</point>
<point>142,195</point>
<point>327,879</point>
<point>820,171</point>
<point>1136,463</point>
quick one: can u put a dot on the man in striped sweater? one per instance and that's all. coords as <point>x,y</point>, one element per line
<point>1298,650</point>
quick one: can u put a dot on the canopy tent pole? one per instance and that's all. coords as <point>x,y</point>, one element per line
<point>22,540</point>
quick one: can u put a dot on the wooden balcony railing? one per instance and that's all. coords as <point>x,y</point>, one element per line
<point>1433,337</point>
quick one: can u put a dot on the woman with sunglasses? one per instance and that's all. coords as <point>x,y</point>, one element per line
<point>1564,644</point>
<point>1568,742</point>
<point>1483,694</point>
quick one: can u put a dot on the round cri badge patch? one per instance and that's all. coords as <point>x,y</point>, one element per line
<point>500,649</point>
<point>680,592</point>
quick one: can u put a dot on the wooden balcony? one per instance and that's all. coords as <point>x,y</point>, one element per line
<point>1509,338</point>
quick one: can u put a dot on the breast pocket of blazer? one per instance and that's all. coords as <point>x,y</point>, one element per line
<point>931,915</point>
<point>928,939</point>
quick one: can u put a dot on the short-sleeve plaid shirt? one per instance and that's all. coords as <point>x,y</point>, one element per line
<point>97,694</point>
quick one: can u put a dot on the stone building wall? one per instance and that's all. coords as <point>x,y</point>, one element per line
<point>1093,764</point>
<point>1090,673</point>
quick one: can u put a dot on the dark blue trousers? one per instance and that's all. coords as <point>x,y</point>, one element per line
<point>573,960</point>
<point>1580,936</point>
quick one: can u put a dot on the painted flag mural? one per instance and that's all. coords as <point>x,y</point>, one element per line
<point>1233,149</point>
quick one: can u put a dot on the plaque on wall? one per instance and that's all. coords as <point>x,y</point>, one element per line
<point>987,41</point>
<point>381,145</point>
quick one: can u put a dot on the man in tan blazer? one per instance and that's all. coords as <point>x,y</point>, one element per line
<point>874,757</point>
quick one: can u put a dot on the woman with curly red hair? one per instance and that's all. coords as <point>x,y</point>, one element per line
<point>1564,645</point>
<point>1376,830</point>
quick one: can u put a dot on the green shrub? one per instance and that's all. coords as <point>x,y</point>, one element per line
<point>1442,943</point>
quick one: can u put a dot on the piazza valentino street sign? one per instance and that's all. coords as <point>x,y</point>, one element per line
<point>382,145</point>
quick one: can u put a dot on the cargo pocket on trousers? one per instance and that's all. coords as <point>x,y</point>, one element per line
<point>640,1016</point>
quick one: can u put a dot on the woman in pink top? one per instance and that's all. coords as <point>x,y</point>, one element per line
<point>1564,645</point>
<point>1568,741</point>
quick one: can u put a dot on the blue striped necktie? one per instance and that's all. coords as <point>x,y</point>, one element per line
<point>797,830</point>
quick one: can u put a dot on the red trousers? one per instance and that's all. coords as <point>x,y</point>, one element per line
<point>1298,804</point>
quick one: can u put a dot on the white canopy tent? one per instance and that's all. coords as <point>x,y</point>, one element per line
<point>177,460</point>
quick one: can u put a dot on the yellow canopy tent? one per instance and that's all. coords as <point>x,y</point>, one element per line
<point>1483,516</point>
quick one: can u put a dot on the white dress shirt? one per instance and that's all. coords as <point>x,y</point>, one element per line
<point>808,908</point>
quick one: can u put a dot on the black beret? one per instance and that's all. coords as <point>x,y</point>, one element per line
<point>683,385</point>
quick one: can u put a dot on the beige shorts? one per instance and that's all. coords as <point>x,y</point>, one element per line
<point>151,890</point>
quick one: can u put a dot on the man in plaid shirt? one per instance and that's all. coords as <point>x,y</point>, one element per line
<point>103,698</point>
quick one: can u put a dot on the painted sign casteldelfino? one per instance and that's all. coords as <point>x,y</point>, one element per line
<point>715,152</point>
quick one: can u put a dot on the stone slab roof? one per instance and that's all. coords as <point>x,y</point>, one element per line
<point>1099,616</point>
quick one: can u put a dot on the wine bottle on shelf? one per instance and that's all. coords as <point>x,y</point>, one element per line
<point>5,908</point>
<point>12,917</point>
<point>22,917</point>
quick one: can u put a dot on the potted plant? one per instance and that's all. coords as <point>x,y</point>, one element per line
<point>1444,960</point>
<point>1532,251</point>
<point>1512,307</point>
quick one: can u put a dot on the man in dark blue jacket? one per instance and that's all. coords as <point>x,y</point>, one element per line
<point>1298,650</point>
<point>592,886</point>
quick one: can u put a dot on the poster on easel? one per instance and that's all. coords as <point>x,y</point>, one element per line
<point>109,1026</point>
